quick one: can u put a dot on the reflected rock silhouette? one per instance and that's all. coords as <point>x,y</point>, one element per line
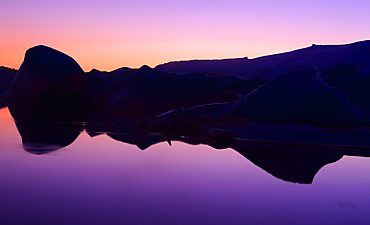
<point>40,136</point>
<point>293,166</point>
<point>141,140</point>
<point>123,131</point>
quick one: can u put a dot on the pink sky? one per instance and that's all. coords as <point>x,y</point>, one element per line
<point>107,35</point>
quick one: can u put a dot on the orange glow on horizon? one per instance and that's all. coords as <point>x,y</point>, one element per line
<point>110,56</point>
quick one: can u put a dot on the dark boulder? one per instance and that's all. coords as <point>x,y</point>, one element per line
<point>357,88</point>
<point>5,80</point>
<point>341,71</point>
<point>48,83</point>
<point>12,71</point>
<point>185,121</point>
<point>110,85</point>
<point>296,98</point>
<point>302,98</point>
<point>42,66</point>
<point>242,86</point>
<point>94,79</point>
<point>4,74</point>
<point>148,92</point>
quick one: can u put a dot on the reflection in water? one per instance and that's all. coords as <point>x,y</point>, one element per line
<point>294,166</point>
<point>42,135</point>
<point>42,130</point>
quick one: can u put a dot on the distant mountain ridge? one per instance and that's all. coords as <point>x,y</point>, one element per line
<point>324,57</point>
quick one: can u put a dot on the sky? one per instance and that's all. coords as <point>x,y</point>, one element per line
<point>110,34</point>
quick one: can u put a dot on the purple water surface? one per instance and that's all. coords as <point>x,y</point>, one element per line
<point>102,181</point>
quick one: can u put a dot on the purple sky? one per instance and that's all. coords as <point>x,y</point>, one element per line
<point>107,35</point>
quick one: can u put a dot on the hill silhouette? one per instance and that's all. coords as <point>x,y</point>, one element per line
<point>324,57</point>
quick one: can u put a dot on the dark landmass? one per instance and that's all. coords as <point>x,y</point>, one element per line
<point>323,57</point>
<point>6,77</point>
<point>10,70</point>
<point>290,113</point>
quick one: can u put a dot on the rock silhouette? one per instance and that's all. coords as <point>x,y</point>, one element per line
<point>5,80</point>
<point>49,82</point>
<point>298,98</point>
<point>147,92</point>
<point>266,108</point>
<point>356,87</point>
<point>42,66</point>
<point>302,98</point>
<point>4,74</point>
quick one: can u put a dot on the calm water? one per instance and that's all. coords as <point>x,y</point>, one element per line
<point>102,181</point>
